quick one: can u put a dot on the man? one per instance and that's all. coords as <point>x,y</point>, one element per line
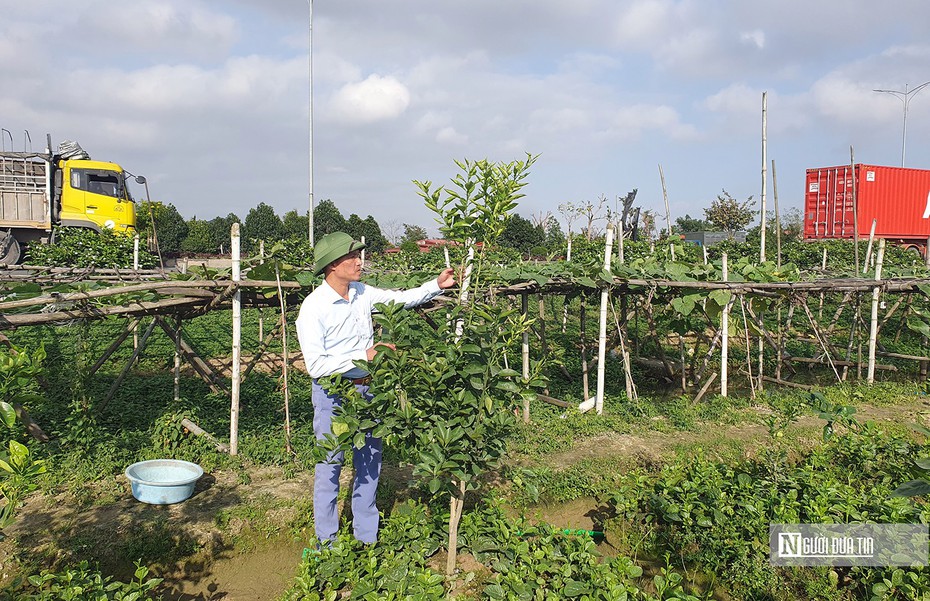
<point>334,328</point>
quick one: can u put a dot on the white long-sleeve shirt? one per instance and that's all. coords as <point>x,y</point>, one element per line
<point>333,332</point>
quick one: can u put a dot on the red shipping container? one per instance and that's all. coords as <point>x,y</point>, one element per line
<point>896,197</point>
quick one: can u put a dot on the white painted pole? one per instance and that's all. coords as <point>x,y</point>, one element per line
<point>724,336</point>
<point>236,343</point>
<point>602,337</point>
<point>524,309</point>
<point>876,292</point>
<point>363,252</point>
<point>568,253</point>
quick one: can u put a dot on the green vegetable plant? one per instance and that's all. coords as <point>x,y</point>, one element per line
<point>18,470</point>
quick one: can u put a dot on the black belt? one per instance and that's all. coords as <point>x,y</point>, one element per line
<point>361,381</point>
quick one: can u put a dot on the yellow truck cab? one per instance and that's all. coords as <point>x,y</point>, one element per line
<point>39,191</point>
<point>94,194</point>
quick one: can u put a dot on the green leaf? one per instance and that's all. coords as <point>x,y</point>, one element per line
<point>508,386</point>
<point>575,588</point>
<point>913,488</point>
<point>7,414</point>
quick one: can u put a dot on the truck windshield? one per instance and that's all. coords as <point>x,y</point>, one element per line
<point>107,183</point>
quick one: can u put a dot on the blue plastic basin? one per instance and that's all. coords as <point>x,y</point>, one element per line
<point>163,481</point>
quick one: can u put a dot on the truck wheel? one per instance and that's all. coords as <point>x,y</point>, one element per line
<point>9,249</point>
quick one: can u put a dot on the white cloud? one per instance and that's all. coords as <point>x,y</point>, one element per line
<point>376,98</point>
<point>631,122</point>
<point>448,135</point>
<point>755,37</point>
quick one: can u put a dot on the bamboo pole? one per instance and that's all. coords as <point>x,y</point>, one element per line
<point>143,342</point>
<point>668,214</point>
<point>198,431</point>
<point>236,343</point>
<point>725,335</point>
<point>752,384</point>
<point>855,206</point>
<point>287,398</point>
<point>868,249</point>
<point>876,292</point>
<point>764,183</point>
<point>131,327</point>
<point>525,351</point>
<point>584,351</point>
<point>620,244</point>
<point>135,267</point>
<point>777,218</point>
<point>177,359</point>
<point>823,267</point>
<point>602,335</point>
<point>261,313</point>
<point>705,387</point>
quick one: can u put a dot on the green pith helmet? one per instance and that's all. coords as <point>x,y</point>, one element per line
<point>331,247</point>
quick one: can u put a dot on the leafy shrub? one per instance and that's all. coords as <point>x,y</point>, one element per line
<point>83,247</point>
<point>83,582</point>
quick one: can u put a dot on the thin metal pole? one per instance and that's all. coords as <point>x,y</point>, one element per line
<point>905,98</point>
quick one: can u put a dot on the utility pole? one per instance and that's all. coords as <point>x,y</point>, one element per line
<point>905,98</point>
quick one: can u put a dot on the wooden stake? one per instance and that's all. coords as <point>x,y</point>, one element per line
<point>705,387</point>
<point>198,431</point>
<point>177,359</point>
<point>725,335</point>
<point>855,206</point>
<point>602,335</point>
<point>668,214</point>
<point>876,293</point>
<point>131,327</point>
<point>777,218</point>
<point>287,402</point>
<point>524,308</point>
<point>868,248</point>
<point>236,343</point>
<point>584,351</point>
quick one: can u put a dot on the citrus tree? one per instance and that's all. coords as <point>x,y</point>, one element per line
<point>446,398</point>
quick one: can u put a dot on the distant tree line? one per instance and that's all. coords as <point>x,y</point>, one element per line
<point>176,235</point>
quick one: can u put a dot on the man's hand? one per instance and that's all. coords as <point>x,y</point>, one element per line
<point>374,350</point>
<point>446,278</point>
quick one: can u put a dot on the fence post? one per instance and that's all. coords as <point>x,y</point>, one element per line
<point>602,338</point>
<point>236,343</point>
<point>876,292</point>
<point>724,336</point>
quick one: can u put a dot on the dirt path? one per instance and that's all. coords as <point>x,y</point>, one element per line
<point>216,570</point>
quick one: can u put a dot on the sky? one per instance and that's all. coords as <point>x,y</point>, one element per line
<point>210,100</point>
